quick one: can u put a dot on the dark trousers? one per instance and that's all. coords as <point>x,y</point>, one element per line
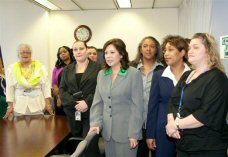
<point>143,150</point>
<point>215,153</point>
<point>78,128</point>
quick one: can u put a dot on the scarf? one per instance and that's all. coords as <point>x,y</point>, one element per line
<point>29,77</point>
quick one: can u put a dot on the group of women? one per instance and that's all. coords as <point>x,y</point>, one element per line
<point>174,103</point>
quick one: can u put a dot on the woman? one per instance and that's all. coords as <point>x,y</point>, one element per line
<point>93,53</point>
<point>117,107</point>
<point>175,49</point>
<point>77,87</point>
<point>147,61</point>
<point>199,103</point>
<point>28,90</point>
<point>65,57</point>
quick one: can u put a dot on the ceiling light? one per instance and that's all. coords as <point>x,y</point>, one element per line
<point>124,3</point>
<point>47,4</point>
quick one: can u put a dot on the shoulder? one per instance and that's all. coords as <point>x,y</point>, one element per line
<point>69,66</point>
<point>133,64</point>
<point>95,65</point>
<point>132,70</point>
<point>159,67</point>
<point>159,72</point>
<point>216,74</point>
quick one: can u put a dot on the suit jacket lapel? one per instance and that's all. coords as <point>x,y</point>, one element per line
<point>118,80</point>
<point>71,76</point>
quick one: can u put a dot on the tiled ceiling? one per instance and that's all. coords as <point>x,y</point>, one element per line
<point>78,5</point>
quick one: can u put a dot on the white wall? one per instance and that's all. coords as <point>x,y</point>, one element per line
<point>219,23</point>
<point>23,22</point>
<point>129,25</point>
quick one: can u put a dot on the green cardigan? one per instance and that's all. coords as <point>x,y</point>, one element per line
<point>3,106</point>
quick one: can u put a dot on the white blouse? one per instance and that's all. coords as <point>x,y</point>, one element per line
<point>24,100</point>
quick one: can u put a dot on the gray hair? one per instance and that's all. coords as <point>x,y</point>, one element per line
<point>24,47</point>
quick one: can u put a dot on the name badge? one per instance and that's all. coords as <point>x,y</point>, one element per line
<point>78,116</point>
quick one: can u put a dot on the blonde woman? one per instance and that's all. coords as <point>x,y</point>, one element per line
<point>199,103</point>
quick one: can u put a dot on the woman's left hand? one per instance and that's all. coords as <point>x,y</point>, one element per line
<point>172,130</point>
<point>81,106</point>
<point>133,143</point>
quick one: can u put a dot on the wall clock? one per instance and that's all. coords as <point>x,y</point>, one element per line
<point>83,33</point>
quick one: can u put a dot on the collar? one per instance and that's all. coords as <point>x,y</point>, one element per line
<point>122,72</point>
<point>168,73</point>
<point>140,65</point>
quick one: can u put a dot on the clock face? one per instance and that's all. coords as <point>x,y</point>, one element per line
<point>83,33</point>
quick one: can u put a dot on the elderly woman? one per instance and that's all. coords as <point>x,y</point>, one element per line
<point>27,86</point>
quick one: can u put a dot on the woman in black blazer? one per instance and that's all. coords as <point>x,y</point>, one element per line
<point>77,87</point>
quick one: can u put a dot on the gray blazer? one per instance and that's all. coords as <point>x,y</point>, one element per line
<point>118,108</point>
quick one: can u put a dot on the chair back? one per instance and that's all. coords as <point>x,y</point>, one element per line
<point>88,147</point>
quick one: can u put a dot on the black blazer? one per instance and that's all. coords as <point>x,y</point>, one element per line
<point>68,84</point>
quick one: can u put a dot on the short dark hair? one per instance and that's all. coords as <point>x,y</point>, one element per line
<point>179,42</point>
<point>121,48</point>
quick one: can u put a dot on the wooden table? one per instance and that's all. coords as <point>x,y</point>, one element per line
<point>32,136</point>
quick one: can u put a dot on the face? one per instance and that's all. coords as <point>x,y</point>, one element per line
<point>148,49</point>
<point>25,55</point>
<point>172,55</point>
<point>112,56</point>
<point>79,50</point>
<point>64,54</point>
<point>92,54</point>
<point>197,52</point>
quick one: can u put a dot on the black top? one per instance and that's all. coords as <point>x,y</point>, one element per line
<point>206,98</point>
<point>78,78</point>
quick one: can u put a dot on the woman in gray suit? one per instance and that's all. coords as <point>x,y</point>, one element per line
<point>117,109</point>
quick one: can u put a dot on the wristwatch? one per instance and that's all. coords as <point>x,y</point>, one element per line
<point>177,124</point>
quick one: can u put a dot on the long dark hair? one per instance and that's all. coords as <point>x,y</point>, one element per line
<point>59,63</point>
<point>121,48</point>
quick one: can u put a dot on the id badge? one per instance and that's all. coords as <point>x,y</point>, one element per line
<point>78,116</point>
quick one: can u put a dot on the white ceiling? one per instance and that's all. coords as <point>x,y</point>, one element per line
<point>79,5</point>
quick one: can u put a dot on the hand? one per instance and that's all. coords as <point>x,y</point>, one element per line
<point>81,106</point>
<point>59,103</point>
<point>9,112</point>
<point>133,143</point>
<point>49,109</point>
<point>171,130</point>
<point>96,129</point>
<point>55,90</point>
<point>151,143</point>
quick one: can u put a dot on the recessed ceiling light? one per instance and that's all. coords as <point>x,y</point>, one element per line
<point>124,3</point>
<point>47,4</point>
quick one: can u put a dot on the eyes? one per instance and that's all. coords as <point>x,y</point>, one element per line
<point>171,50</point>
<point>93,53</point>
<point>148,46</point>
<point>79,49</point>
<point>111,52</point>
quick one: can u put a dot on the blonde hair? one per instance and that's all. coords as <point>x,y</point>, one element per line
<point>212,50</point>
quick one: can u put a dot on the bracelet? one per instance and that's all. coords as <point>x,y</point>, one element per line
<point>177,124</point>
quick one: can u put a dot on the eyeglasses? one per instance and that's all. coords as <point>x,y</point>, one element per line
<point>25,52</point>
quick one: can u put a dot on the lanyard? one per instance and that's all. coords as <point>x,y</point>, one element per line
<point>182,95</point>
